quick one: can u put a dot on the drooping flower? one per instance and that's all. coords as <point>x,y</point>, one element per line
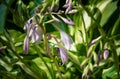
<point>34,33</point>
<point>106,54</point>
<point>66,40</point>
<point>62,51</point>
<point>63,54</point>
<point>26,44</point>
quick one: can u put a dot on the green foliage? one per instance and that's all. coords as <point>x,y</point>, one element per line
<point>95,28</point>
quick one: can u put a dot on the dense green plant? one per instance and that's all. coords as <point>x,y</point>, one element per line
<point>59,39</point>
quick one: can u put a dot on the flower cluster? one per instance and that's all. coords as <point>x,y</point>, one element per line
<point>34,33</point>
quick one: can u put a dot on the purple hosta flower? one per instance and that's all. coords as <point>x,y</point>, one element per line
<point>106,54</point>
<point>94,41</point>
<point>70,22</point>
<point>34,33</point>
<point>56,19</point>
<point>66,40</point>
<point>26,44</point>
<point>63,54</point>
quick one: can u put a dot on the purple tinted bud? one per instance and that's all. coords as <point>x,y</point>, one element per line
<point>94,41</point>
<point>63,54</point>
<point>72,11</point>
<point>66,6</point>
<point>70,22</point>
<point>26,44</point>
<point>99,57</point>
<point>106,54</point>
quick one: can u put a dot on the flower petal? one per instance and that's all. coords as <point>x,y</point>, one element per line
<point>26,44</point>
<point>63,54</point>
<point>65,38</point>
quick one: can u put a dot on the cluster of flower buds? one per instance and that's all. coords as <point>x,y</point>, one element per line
<point>68,6</point>
<point>105,55</point>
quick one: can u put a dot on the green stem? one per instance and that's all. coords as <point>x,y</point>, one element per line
<point>115,57</point>
<point>40,56</point>
<point>99,26</point>
<point>57,66</point>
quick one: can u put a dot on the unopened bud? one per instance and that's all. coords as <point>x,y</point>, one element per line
<point>106,54</point>
<point>94,41</point>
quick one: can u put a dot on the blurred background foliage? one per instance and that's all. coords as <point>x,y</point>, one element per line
<point>96,29</point>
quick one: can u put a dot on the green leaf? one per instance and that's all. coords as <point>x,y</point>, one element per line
<point>110,72</point>
<point>38,71</point>
<point>108,11</point>
<point>3,11</point>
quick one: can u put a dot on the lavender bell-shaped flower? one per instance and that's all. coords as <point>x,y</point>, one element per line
<point>63,51</point>
<point>66,40</point>
<point>106,54</point>
<point>63,54</point>
<point>34,33</point>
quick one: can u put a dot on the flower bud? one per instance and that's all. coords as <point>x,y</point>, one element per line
<point>99,57</point>
<point>72,11</point>
<point>70,22</point>
<point>106,54</point>
<point>94,41</point>
<point>56,19</point>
